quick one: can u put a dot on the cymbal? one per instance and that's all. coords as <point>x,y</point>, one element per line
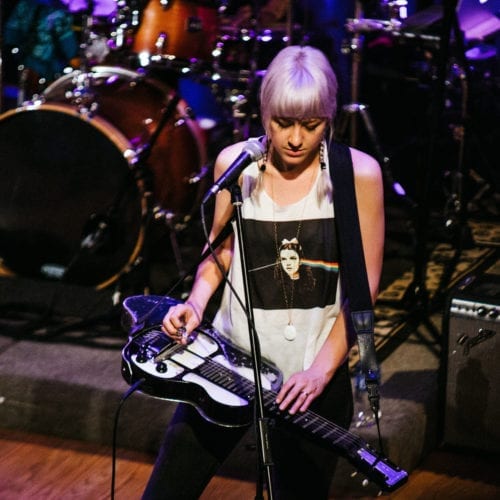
<point>363,25</point>
<point>481,52</point>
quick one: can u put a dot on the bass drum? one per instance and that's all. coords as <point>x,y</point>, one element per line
<point>73,196</point>
<point>71,210</point>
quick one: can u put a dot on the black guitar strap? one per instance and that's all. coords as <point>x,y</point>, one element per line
<point>354,276</point>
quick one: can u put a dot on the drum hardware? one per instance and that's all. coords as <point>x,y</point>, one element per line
<point>240,59</point>
<point>87,43</point>
<point>105,29</point>
<point>23,85</point>
<point>422,39</point>
<point>238,105</point>
<point>416,294</point>
<point>363,25</point>
<point>145,150</point>
<point>232,55</point>
<point>158,213</point>
<point>81,92</point>
<point>481,52</point>
<point>160,43</point>
<point>348,119</point>
<point>82,96</point>
<point>396,10</point>
<point>168,217</point>
<point>178,34</point>
<point>126,21</point>
<point>223,6</point>
<point>99,235</point>
<point>29,85</point>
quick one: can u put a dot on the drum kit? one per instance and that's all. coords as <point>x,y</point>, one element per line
<point>104,150</point>
<point>99,153</point>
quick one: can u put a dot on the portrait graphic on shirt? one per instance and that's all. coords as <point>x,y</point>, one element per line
<point>293,264</point>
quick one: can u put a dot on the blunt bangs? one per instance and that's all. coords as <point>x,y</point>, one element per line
<point>299,83</point>
<point>302,102</point>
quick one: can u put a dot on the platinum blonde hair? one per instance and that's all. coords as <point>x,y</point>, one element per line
<point>299,83</point>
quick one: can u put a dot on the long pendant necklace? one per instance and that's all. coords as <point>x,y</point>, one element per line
<point>289,332</point>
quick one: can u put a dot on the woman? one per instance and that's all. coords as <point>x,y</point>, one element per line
<point>289,193</point>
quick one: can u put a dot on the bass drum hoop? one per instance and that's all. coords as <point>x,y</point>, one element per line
<point>177,191</point>
<point>122,144</point>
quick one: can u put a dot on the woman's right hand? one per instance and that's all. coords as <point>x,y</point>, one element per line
<point>180,321</point>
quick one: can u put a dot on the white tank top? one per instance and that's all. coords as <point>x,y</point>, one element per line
<point>310,302</point>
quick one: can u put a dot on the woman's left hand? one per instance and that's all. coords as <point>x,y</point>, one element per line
<point>300,390</point>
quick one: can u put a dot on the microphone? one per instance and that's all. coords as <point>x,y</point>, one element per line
<point>253,151</point>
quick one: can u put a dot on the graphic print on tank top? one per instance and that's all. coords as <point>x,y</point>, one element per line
<point>286,271</point>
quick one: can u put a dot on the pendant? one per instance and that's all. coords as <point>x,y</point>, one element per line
<point>290,333</point>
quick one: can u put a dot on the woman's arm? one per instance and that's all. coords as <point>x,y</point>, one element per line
<point>208,277</point>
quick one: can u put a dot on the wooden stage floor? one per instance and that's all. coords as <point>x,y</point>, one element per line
<point>44,467</point>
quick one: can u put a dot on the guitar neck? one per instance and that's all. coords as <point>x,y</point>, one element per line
<point>387,475</point>
<point>358,452</point>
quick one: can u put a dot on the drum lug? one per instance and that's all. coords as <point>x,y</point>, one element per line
<point>160,43</point>
<point>160,213</point>
<point>198,177</point>
<point>81,96</point>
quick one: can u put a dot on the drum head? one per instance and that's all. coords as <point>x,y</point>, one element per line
<point>70,208</point>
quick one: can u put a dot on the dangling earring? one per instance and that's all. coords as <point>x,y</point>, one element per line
<point>322,156</point>
<point>263,166</point>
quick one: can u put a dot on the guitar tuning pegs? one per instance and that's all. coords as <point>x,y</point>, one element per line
<point>365,483</point>
<point>354,474</point>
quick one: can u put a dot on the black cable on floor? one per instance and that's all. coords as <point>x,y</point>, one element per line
<point>130,391</point>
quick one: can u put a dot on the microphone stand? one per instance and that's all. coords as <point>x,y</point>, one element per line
<point>261,422</point>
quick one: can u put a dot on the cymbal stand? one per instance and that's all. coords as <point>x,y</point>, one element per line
<point>87,22</point>
<point>455,204</point>
<point>417,294</point>
<point>348,118</point>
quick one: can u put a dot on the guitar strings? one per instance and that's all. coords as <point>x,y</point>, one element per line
<point>227,378</point>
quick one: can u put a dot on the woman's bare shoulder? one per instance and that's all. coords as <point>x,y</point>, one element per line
<point>229,153</point>
<point>366,167</point>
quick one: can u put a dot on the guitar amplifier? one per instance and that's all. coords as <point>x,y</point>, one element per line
<point>470,364</point>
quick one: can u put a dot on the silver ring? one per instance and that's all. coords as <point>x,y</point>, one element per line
<point>305,393</point>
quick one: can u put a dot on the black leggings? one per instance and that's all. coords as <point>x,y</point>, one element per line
<point>194,449</point>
